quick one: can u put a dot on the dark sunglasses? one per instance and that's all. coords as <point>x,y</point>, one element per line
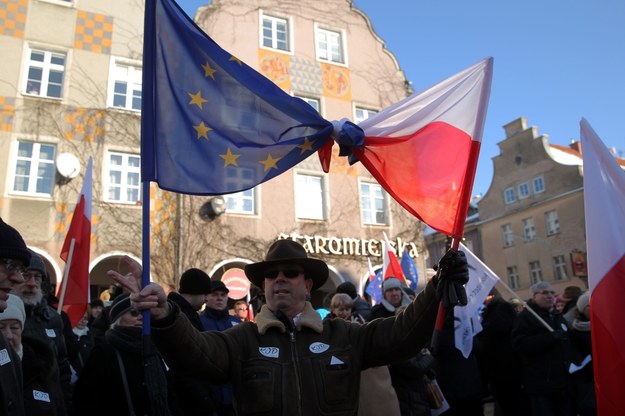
<point>134,312</point>
<point>288,273</point>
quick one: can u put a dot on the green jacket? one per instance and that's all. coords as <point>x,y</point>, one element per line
<point>310,369</point>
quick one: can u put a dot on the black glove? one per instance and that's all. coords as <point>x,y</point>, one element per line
<point>452,273</point>
<point>560,335</point>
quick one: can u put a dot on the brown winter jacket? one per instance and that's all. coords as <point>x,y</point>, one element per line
<point>311,369</point>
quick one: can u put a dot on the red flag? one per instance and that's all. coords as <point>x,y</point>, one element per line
<point>423,150</point>
<point>74,291</point>
<point>390,264</point>
<point>604,202</point>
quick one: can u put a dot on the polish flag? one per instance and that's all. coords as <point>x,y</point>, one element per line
<point>604,202</point>
<point>423,150</point>
<point>390,265</point>
<point>74,292</point>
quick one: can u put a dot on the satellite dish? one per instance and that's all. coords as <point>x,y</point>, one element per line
<point>67,165</point>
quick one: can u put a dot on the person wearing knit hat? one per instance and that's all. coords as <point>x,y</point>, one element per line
<point>583,302</point>
<point>393,297</point>
<point>121,313</point>
<point>360,306</point>
<point>12,322</point>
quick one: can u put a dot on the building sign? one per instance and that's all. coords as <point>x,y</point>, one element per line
<point>236,282</point>
<point>316,244</point>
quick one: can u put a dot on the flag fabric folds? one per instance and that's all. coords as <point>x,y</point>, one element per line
<point>423,150</point>
<point>75,298</point>
<point>211,124</point>
<point>604,203</point>
<point>374,288</point>
<point>390,264</point>
<point>409,268</point>
<point>467,318</point>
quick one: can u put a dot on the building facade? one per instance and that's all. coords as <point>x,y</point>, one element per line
<point>72,89</point>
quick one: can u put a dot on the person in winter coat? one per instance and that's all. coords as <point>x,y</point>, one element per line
<point>393,298</point>
<point>289,361</point>
<point>83,342</point>
<point>583,379</point>
<point>14,258</point>
<point>120,377</point>
<point>42,388</point>
<point>360,306</point>
<point>546,354</point>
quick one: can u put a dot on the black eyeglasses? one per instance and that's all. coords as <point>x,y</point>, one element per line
<point>288,273</point>
<point>13,267</point>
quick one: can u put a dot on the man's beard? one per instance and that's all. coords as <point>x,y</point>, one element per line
<point>33,299</point>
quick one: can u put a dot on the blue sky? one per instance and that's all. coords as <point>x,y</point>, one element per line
<point>556,61</point>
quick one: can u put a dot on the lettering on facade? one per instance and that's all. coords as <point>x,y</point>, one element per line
<point>336,246</point>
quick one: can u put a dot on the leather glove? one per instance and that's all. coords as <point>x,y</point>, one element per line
<point>451,276</point>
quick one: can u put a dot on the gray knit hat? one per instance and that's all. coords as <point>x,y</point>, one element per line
<point>14,310</point>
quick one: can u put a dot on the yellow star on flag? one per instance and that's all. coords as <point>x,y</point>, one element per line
<point>307,145</point>
<point>235,59</point>
<point>270,162</point>
<point>209,71</point>
<point>202,130</point>
<point>230,158</point>
<point>197,99</point>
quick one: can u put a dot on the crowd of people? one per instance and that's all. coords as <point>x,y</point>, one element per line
<point>203,359</point>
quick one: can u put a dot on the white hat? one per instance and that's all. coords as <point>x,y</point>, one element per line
<point>14,310</point>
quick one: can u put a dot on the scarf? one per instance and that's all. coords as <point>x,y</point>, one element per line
<point>80,332</point>
<point>581,326</point>
<point>130,340</point>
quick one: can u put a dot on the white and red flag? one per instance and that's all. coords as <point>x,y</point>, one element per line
<point>424,149</point>
<point>604,202</point>
<point>74,291</point>
<point>390,264</point>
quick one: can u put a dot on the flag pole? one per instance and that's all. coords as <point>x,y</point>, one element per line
<point>66,274</point>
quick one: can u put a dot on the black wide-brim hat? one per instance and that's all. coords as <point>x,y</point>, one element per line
<point>288,252</point>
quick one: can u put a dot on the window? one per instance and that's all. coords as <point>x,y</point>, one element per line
<point>536,274</point>
<point>551,222</point>
<point>45,72</point>
<point>34,168</point>
<point>513,277</point>
<point>507,236</point>
<point>275,33</point>
<point>123,174</point>
<point>125,86</point>
<point>309,197</point>
<point>559,268</point>
<point>314,102</point>
<point>524,190</point>
<point>509,195</point>
<point>243,202</point>
<point>361,114</point>
<point>529,230</point>
<point>330,46</point>
<point>373,204</point>
<point>539,185</point>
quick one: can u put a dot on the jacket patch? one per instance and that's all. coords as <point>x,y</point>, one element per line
<point>50,333</point>
<point>41,396</point>
<point>269,352</point>
<point>318,347</point>
<point>4,357</point>
<point>335,361</point>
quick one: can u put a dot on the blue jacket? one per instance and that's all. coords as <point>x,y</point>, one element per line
<point>213,320</point>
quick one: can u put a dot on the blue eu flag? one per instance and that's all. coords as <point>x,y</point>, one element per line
<point>211,124</point>
<point>374,289</point>
<point>409,268</point>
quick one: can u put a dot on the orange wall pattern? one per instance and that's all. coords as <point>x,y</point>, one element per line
<point>84,124</point>
<point>7,111</point>
<point>94,32</point>
<point>13,17</point>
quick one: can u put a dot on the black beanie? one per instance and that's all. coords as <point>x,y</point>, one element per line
<point>195,282</point>
<point>36,263</point>
<point>348,288</point>
<point>12,245</point>
<point>120,306</point>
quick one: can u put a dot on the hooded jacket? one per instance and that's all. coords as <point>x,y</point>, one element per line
<point>310,368</point>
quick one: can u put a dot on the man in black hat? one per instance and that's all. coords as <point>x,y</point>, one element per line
<point>290,361</point>
<point>14,258</point>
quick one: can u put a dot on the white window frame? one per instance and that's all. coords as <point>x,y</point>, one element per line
<point>275,20</point>
<point>362,113</point>
<point>330,38</point>
<point>552,224</point>
<point>507,236</point>
<point>36,163</point>
<point>559,268</point>
<point>46,68</point>
<point>536,273</point>
<point>369,215</point>
<point>132,79</point>
<point>236,203</point>
<point>538,183</point>
<point>125,170</point>
<point>310,196</point>
<point>513,277</point>
<point>529,229</point>
<point>509,195</point>
<point>523,190</point>
<point>312,101</point>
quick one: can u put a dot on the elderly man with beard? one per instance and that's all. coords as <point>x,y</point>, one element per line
<point>290,361</point>
<point>42,321</point>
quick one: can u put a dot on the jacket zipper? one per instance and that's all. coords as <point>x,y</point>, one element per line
<point>297,375</point>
